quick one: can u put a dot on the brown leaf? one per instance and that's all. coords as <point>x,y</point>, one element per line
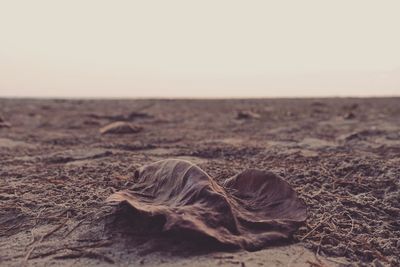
<point>251,210</point>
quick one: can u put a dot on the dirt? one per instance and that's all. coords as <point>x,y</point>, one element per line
<point>342,156</point>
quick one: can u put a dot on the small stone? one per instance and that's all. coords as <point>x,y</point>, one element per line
<point>5,124</point>
<point>245,115</point>
<point>377,263</point>
<point>120,127</point>
<point>349,116</point>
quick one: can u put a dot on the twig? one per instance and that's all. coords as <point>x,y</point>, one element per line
<point>315,228</point>
<point>51,252</point>
<point>12,227</point>
<point>73,228</point>
<point>28,254</point>
<point>333,176</point>
<point>319,244</point>
<point>352,225</point>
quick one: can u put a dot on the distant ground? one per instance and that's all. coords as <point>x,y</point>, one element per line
<point>341,155</point>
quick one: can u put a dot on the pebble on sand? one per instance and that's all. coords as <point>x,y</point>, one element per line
<point>349,116</point>
<point>245,115</point>
<point>3,123</point>
<point>120,127</point>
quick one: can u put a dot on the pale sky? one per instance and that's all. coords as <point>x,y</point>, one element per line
<point>218,48</point>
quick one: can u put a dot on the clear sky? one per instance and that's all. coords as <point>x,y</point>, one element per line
<point>208,48</point>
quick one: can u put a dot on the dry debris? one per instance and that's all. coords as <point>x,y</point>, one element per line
<point>351,188</point>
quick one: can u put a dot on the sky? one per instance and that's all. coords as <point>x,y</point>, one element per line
<point>206,49</point>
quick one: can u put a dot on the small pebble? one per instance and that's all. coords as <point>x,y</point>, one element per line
<point>245,115</point>
<point>120,127</point>
<point>377,263</point>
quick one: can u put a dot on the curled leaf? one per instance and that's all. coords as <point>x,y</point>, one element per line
<point>251,210</point>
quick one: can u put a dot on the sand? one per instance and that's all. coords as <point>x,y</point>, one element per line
<point>56,170</point>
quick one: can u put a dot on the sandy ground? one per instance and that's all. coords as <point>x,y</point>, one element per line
<point>341,155</point>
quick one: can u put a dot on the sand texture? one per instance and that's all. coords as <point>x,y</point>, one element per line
<point>61,159</point>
